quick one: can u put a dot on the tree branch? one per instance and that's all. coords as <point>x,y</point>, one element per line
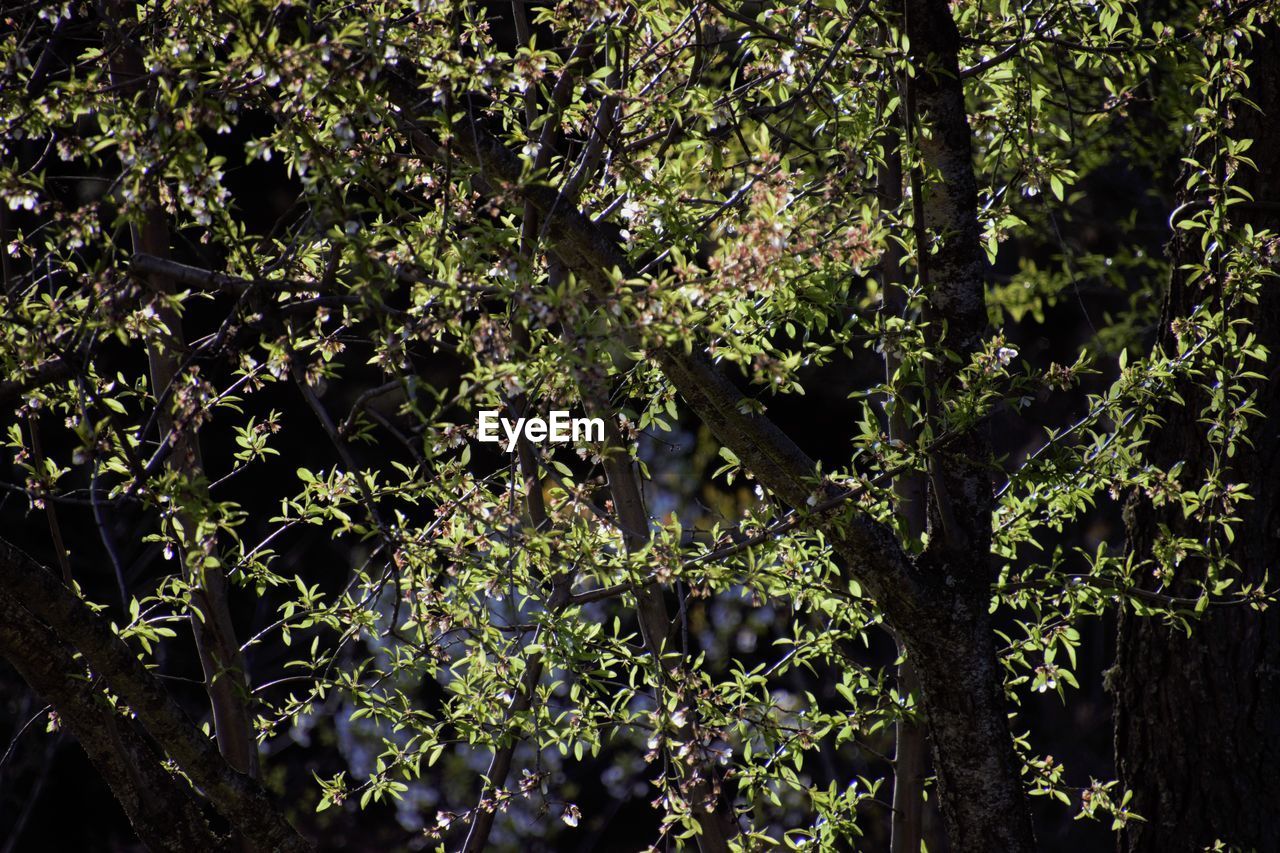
<point>211,623</point>
<point>161,807</point>
<point>239,799</point>
<point>50,371</point>
<point>870,549</point>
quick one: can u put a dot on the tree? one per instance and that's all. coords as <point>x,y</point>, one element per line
<point>665,216</point>
<point>1194,740</point>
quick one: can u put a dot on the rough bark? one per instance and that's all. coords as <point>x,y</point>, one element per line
<point>949,635</point>
<point>159,804</point>
<point>1198,718</point>
<point>238,798</point>
<point>979,790</point>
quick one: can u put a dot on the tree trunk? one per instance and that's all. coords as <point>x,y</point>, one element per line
<point>27,587</point>
<point>160,805</point>
<point>979,779</point>
<point>1198,718</point>
<point>947,631</point>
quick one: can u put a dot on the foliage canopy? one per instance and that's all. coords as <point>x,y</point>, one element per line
<point>676,216</point>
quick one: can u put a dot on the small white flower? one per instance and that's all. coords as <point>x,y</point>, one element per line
<point>23,200</point>
<point>1005,355</point>
<point>786,64</point>
<point>504,269</point>
<point>779,238</point>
